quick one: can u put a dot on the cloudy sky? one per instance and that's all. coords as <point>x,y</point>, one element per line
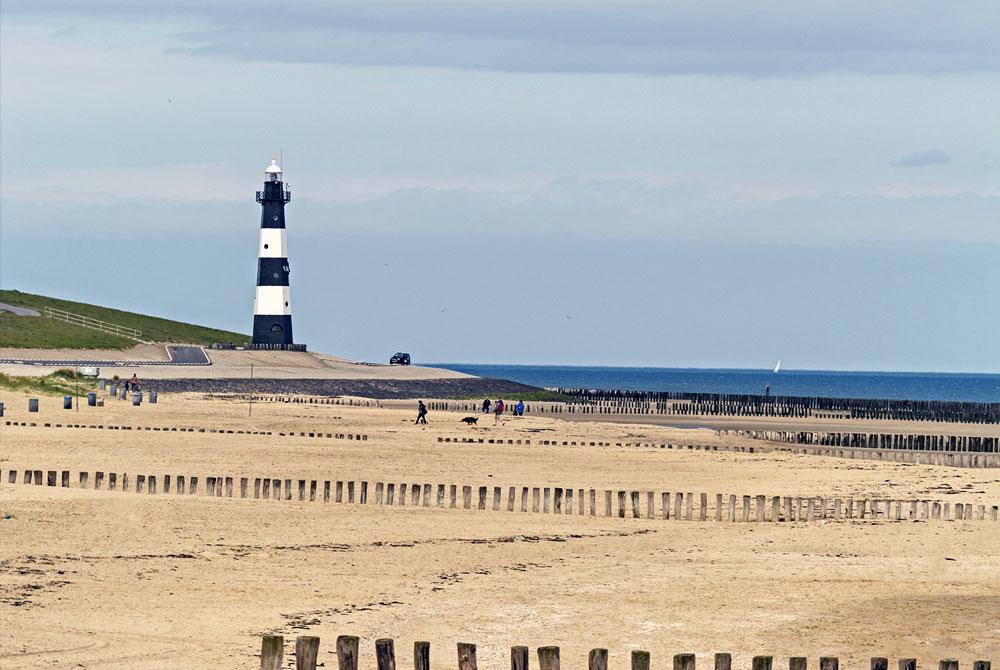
<point>666,183</point>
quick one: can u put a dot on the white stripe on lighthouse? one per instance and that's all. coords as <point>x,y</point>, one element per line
<point>273,243</point>
<point>273,300</point>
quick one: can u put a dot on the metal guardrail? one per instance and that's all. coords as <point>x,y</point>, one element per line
<point>88,322</point>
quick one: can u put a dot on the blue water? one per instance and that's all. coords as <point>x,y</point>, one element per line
<point>807,383</point>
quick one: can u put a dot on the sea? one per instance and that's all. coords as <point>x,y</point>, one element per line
<point>968,387</point>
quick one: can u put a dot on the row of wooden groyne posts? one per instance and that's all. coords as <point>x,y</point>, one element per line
<point>591,401</point>
<point>272,649</point>
<point>189,429</point>
<point>538,499</point>
<point>947,458</point>
<point>965,451</point>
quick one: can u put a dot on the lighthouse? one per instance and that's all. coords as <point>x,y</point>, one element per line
<point>272,313</point>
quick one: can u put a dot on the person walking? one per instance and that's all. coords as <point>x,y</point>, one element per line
<point>519,408</point>
<point>486,406</point>
<point>421,412</point>
<point>497,411</point>
<point>135,382</point>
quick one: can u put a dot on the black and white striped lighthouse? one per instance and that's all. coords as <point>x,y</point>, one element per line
<point>272,313</point>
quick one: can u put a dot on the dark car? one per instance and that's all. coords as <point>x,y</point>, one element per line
<point>400,358</point>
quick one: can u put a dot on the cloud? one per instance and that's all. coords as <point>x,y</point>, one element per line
<point>923,158</point>
<point>771,38</point>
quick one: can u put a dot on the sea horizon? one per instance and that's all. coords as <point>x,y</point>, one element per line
<point>909,385</point>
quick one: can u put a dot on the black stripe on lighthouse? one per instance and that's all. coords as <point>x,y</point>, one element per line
<point>272,320</point>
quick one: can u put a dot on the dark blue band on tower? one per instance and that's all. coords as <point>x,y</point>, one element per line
<point>272,329</point>
<point>272,272</point>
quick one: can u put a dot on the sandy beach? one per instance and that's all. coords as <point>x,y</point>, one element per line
<point>106,579</point>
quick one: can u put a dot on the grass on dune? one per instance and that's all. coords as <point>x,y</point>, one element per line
<point>36,332</point>
<point>59,383</point>
<point>50,333</point>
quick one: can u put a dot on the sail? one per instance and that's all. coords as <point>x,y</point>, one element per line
<point>778,366</point>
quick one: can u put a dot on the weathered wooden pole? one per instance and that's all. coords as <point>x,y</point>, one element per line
<point>797,663</point>
<point>829,663</point>
<point>518,658</point>
<point>347,652</point>
<point>598,659</point>
<point>723,661</point>
<point>684,662</point>
<point>907,664</point>
<point>306,652</point>
<point>640,660</point>
<point>948,664</point>
<point>548,658</point>
<point>385,654</point>
<point>421,655</point>
<point>467,656</point>
<point>272,648</point>
<point>762,662</point>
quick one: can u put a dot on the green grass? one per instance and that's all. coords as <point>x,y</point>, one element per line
<point>59,383</point>
<point>50,333</point>
<point>34,332</point>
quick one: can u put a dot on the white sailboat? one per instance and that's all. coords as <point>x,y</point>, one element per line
<point>777,367</point>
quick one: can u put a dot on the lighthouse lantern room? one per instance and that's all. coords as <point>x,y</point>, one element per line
<point>272,315</point>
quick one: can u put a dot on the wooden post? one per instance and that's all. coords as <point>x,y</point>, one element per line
<point>347,652</point>
<point>83,480</point>
<point>467,656</point>
<point>229,487</point>
<point>518,658</point>
<point>607,503</point>
<point>385,654</point>
<point>511,495</point>
<point>598,659</point>
<point>981,665</point>
<point>302,490</point>
<point>760,515</point>
<point>593,502</point>
<point>440,499</point>
<point>496,498</point>
<point>732,508</point>
<point>272,648</point>
<point>762,662</point>
<point>948,664</point>
<point>797,663</point>
<point>306,651</point>
<point>723,661</point>
<point>879,663</point>
<point>312,489</point>
<point>453,496</point>
<point>288,489</point>
<point>546,497</point>
<point>829,663</point>
<point>775,508</point>
<point>466,497</point>
<point>636,512</point>
<point>350,492</point>
<point>907,664</point>
<point>640,660</point>
<point>51,476</point>
<point>684,662</point>
<point>421,655</point>
<point>535,495</point>
<point>548,658</point>
<point>678,505</point>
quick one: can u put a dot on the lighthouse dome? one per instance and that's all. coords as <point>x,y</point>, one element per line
<point>273,168</point>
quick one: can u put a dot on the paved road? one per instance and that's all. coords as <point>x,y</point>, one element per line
<point>18,311</point>
<point>179,355</point>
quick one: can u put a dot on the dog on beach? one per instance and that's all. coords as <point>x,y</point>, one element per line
<point>471,420</point>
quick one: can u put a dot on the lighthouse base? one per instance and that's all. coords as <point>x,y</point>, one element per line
<point>276,329</point>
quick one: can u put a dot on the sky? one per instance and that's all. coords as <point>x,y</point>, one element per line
<point>684,184</point>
